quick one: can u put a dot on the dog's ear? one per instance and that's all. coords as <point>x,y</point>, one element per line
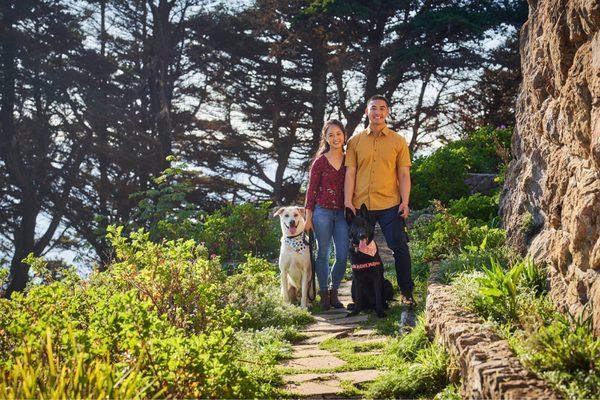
<point>364,211</point>
<point>302,211</point>
<point>279,211</point>
<point>349,214</point>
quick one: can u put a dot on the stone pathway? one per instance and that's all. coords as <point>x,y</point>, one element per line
<point>305,376</point>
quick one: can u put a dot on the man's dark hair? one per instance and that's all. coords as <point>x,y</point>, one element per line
<point>379,97</point>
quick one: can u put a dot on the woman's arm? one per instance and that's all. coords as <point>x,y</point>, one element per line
<point>314,181</point>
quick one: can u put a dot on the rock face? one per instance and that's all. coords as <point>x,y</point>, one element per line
<point>551,200</point>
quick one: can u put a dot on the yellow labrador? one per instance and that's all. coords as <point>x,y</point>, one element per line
<point>294,256</point>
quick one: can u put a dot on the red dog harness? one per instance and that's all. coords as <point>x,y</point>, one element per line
<point>371,264</point>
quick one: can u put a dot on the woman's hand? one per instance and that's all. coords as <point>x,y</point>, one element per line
<point>308,224</point>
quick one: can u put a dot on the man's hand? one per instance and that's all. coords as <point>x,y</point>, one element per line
<point>403,210</point>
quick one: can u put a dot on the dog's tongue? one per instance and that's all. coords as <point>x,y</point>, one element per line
<point>369,249</point>
<point>292,230</point>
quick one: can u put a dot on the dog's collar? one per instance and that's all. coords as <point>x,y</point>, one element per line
<point>290,237</point>
<point>297,243</point>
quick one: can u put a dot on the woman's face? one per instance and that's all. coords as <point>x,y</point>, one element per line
<point>335,137</point>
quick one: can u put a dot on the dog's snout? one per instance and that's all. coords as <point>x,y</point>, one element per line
<point>293,223</point>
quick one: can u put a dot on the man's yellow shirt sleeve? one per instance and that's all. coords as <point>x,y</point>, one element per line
<point>403,158</point>
<point>351,154</point>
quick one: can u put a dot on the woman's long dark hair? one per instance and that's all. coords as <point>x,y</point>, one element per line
<point>323,145</point>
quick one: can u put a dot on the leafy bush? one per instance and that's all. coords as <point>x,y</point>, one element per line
<point>451,234</point>
<point>439,176</point>
<point>483,149</point>
<point>469,260</point>
<point>163,321</point>
<point>235,231</point>
<point>255,290</point>
<point>567,354</point>
<point>476,207</point>
<point>442,174</point>
<point>497,297</point>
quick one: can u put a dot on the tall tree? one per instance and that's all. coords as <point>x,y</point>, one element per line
<point>139,104</point>
<point>41,145</point>
<point>398,48</point>
<point>269,70</point>
<point>491,101</point>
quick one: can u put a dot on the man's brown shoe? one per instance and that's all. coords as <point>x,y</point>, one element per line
<point>407,299</point>
<point>333,299</point>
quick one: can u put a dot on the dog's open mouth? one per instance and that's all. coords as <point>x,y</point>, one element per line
<point>291,229</point>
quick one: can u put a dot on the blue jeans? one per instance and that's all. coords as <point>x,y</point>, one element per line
<point>330,224</point>
<point>393,227</point>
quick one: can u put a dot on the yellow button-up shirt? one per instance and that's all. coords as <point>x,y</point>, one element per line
<point>376,159</point>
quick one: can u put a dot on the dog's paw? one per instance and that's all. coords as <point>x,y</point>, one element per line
<point>381,314</point>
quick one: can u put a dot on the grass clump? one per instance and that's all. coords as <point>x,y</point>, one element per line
<point>425,375</point>
<point>417,367</point>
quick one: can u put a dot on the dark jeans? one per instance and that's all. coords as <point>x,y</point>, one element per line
<point>393,227</point>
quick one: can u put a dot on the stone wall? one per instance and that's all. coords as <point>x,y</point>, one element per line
<point>488,367</point>
<point>551,200</point>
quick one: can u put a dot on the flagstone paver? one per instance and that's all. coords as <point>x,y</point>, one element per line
<point>324,336</point>
<point>319,388</point>
<point>309,351</point>
<point>307,356</point>
<point>319,362</point>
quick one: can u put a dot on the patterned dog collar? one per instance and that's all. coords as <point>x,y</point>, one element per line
<point>297,243</point>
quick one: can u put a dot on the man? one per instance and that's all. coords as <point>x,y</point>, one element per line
<point>378,175</point>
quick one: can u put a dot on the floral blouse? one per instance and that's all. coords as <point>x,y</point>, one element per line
<point>325,185</point>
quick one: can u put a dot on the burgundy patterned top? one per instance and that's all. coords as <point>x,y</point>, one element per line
<point>325,185</point>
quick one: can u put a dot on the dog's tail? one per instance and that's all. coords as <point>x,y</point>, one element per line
<point>312,289</point>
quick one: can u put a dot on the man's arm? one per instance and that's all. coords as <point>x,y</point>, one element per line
<point>349,181</point>
<point>404,185</point>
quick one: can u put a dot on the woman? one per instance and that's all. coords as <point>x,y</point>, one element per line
<point>325,211</point>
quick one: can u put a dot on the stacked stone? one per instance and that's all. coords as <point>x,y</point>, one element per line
<point>489,369</point>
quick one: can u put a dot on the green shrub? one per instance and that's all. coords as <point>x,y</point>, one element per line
<point>238,230</point>
<point>442,174</point>
<point>468,261</point>
<point>567,353</point>
<point>476,207</point>
<point>165,211</point>
<point>535,277</point>
<point>497,298</point>
<point>451,234</point>
<point>163,321</point>
<point>482,149</point>
<point>439,176</point>
<point>255,290</point>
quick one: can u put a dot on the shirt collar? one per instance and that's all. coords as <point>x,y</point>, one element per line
<point>385,130</point>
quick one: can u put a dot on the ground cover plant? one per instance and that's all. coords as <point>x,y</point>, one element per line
<point>557,346</point>
<point>165,320</point>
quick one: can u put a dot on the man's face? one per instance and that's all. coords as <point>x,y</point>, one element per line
<point>377,111</point>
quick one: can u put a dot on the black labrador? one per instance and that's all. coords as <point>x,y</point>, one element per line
<point>370,290</point>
